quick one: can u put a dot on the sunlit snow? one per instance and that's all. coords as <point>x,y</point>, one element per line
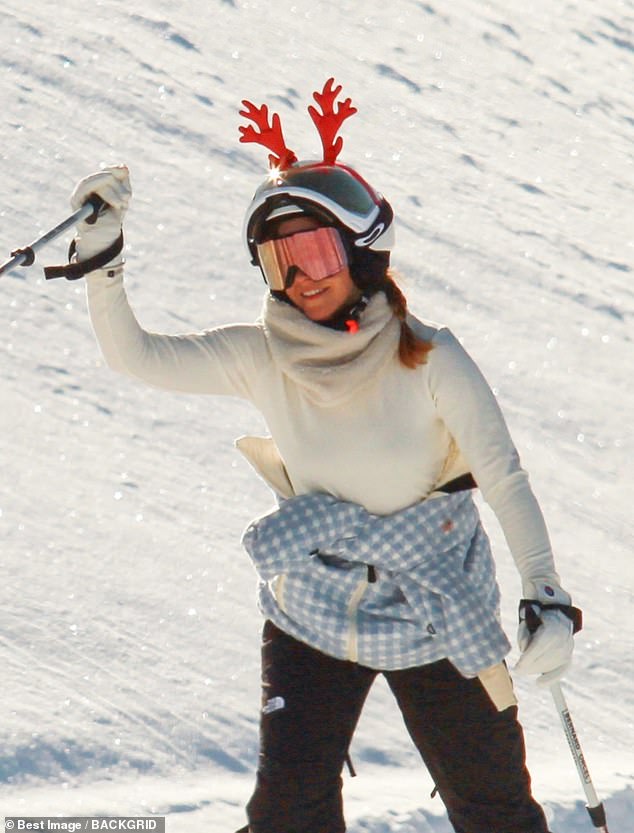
<point>502,134</point>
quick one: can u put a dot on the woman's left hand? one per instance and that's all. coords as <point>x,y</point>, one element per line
<point>545,633</point>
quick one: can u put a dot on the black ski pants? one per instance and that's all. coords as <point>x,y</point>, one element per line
<point>311,705</point>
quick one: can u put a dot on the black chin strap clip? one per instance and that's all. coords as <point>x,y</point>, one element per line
<point>354,314</point>
<point>74,271</point>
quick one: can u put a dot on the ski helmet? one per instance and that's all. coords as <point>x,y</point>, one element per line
<point>327,190</point>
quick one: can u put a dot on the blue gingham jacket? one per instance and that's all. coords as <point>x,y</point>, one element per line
<point>387,591</point>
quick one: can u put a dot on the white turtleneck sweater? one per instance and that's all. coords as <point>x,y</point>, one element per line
<point>346,418</point>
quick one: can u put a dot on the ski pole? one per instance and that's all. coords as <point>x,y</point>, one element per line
<point>594,807</point>
<point>26,256</point>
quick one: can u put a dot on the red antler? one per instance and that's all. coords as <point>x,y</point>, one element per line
<point>328,121</point>
<point>270,135</point>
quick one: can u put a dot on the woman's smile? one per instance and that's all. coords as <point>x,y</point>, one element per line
<point>312,292</point>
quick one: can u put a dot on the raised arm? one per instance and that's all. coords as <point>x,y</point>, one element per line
<point>220,361</point>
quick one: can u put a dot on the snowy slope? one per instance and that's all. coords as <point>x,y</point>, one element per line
<point>128,630</point>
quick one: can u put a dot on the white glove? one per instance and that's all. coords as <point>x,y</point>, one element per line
<point>112,184</point>
<point>545,636</point>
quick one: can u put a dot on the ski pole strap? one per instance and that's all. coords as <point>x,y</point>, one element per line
<point>74,271</point>
<point>528,614</point>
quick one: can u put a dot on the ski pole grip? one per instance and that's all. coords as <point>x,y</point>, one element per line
<point>98,207</point>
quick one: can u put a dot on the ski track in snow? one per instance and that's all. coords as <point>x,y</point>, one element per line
<point>128,631</point>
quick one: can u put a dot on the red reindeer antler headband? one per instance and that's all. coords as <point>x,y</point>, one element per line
<point>327,123</point>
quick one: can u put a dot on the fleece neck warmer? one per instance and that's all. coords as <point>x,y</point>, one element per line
<point>331,366</point>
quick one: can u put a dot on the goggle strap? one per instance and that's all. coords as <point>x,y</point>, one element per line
<point>290,276</point>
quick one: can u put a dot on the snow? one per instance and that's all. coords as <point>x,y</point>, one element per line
<point>502,134</point>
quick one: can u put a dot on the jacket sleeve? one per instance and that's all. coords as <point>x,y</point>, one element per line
<point>469,409</point>
<point>219,361</point>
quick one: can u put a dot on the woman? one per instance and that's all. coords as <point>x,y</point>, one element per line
<point>375,560</point>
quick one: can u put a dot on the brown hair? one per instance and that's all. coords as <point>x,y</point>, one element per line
<point>412,350</point>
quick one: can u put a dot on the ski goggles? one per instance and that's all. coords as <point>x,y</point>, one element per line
<point>317,253</point>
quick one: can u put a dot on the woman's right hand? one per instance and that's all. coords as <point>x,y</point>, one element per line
<point>112,184</point>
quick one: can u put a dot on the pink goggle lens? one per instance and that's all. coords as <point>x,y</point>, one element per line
<point>317,253</point>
